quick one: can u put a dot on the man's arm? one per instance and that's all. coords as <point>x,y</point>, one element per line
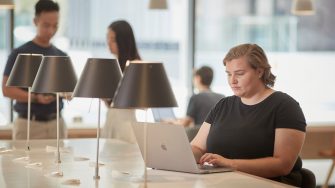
<point>186,121</point>
<point>22,95</point>
<point>13,92</point>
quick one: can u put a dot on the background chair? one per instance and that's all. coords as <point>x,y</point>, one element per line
<point>320,144</point>
<point>308,178</point>
<point>329,154</point>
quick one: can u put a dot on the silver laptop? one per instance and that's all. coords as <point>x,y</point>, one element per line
<point>168,148</point>
<point>161,114</point>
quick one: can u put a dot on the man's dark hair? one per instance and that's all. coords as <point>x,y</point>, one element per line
<point>206,75</point>
<point>45,6</point>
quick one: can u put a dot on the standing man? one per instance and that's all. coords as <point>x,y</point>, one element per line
<point>43,106</point>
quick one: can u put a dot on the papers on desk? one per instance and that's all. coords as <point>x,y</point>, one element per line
<point>71,182</point>
<point>4,150</point>
<point>81,159</point>
<point>21,160</point>
<point>37,165</point>
<point>54,149</point>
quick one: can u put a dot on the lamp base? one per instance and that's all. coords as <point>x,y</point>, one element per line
<point>35,165</point>
<point>22,160</point>
<point>71,182</point>
<point>56,174</point>
<point>5,150</point>
<point>134,176</point>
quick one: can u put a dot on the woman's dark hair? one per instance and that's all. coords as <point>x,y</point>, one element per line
<point>125,41</point>
<point>256,58</point>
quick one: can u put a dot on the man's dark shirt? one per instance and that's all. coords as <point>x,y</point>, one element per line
<point>32,48</point>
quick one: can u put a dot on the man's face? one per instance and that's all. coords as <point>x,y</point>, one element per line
<point>46,25</point>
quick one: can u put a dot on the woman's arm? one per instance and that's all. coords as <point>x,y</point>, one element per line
<point>198,144</point>
<point>288,143</point>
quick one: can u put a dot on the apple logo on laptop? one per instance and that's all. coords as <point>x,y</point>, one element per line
<point>163,146</point>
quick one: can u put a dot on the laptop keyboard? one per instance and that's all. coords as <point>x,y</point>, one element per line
<point>205,167</point>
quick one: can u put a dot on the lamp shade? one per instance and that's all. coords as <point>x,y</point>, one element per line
<point>158,4</point>
<point>6,4</point>
<point>99,79</point>
<point>24,70</point>
<point>144,85</point>
<point>302,7</point>
<point>56,74</point>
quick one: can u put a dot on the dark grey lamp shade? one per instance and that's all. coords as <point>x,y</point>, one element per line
<point>56,74</point>
<point>99,79</point>
<point>144,85</point>
<point>24,70</point>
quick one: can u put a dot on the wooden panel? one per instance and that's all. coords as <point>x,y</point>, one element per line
<point>82,133</point>
<point>6,134</point>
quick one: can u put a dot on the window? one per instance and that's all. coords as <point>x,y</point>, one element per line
<point>160,36</point>
<point>299,48</point>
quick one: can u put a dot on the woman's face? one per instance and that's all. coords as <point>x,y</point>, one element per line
<point>111,41</point>
<point>243,79</point>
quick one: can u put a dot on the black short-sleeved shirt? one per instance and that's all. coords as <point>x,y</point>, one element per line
<point>200,105</point>
<point>31,47</point>
<point>240,131</point>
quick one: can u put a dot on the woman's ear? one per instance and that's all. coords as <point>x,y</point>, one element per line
<point>260,72</point>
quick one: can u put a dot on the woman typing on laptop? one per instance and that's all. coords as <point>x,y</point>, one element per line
<point>258,130</point>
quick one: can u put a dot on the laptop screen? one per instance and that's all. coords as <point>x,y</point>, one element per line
<point>160,114</point>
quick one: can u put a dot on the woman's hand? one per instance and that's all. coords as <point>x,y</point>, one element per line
<point>215,159</point>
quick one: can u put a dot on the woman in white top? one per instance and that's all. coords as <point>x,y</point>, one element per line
<point>122,45</point>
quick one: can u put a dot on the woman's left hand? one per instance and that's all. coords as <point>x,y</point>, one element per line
<point>215,159</point>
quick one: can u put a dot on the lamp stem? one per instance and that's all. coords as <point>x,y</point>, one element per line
<point>11,37</point>
<point>58,153</point>
<point>145,149</point>
<point>98,136</point>
<point>28,119</point>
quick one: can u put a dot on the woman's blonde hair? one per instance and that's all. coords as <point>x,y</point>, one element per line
<point>255,57</point>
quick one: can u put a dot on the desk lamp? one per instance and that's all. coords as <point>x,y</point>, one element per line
<point>55,75</point>
<point>99,79</point>
<point>144,85</point>
<point>22,75</point>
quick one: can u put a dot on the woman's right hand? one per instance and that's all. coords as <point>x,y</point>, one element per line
<point>215,159</point>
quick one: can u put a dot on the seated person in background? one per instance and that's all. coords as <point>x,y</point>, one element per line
<point>258,130</point>
<point>200,104</point>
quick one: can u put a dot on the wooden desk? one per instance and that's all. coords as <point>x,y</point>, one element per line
<point>123,168</point>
